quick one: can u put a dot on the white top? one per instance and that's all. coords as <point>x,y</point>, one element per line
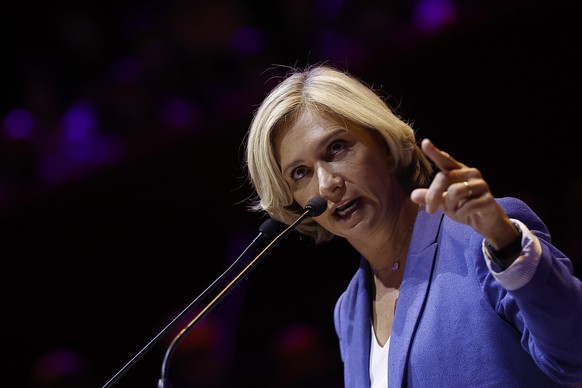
<point>378,362</point>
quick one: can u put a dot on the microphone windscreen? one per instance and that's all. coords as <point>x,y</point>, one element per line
<point>316,206</point>
<point>271,227</point>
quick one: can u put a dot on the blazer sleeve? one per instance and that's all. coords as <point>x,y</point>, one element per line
<point>547,310</point>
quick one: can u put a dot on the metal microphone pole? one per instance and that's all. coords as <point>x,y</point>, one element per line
<point>314,207</point>
<point>267,229</point>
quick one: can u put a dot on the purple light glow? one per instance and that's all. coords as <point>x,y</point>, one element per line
<point>18,124</point>
<point>80,147</point>
<point>432,15</point>
<point>57,364</point>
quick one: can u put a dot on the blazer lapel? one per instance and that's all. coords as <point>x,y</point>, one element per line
<point>413,292</point>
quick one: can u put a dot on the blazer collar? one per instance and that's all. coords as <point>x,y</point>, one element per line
<point>413,291</point>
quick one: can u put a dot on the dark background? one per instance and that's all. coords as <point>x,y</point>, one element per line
<point>122,195</point>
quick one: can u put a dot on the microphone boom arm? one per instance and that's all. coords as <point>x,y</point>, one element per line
<point>311,208</point>
<point>267,229</point>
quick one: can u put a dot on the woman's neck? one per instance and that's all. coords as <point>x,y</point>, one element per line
<point>386,252</point>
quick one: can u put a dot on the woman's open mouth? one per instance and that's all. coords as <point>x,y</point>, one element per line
<point>347,209</point>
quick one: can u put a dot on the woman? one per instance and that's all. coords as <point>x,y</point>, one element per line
<point>455,288</point>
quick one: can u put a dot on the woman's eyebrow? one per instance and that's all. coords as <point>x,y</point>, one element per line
<point>321,143</point>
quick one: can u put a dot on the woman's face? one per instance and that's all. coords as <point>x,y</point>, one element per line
<point>348,167</point>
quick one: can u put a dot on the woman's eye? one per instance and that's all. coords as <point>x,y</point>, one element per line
<point>337,146</point>
<point>298,173</point>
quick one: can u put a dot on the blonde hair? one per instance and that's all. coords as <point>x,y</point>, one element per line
<point>331,92</point>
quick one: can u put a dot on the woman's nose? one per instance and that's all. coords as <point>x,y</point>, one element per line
<point>330,184</point>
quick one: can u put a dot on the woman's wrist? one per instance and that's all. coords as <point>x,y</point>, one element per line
<point>507,254</point>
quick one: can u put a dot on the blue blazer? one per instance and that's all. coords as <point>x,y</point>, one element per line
<point>455,326</point>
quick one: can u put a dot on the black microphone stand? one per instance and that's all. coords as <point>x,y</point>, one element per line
<point>313,208</point>
<point>267,229</point>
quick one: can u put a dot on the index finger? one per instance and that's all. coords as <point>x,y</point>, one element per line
<point>442,159</point>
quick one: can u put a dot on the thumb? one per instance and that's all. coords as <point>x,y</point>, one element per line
<point>418,196</point>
